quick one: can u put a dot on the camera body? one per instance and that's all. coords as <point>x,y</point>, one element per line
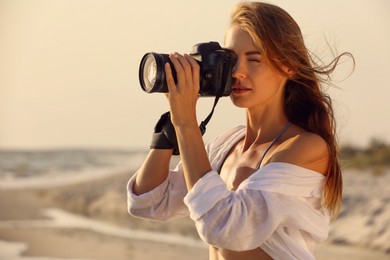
<point>216,67</point>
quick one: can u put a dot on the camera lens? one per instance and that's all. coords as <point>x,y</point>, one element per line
<point>152,74</point>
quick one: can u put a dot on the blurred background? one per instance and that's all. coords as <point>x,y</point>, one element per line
<point>75,124</point>
<point>69,69</point>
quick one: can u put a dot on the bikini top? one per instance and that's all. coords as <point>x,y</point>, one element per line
<point>273,142</point>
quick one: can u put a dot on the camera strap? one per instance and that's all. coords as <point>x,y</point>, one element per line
<point>227,70</point>
<point>203,124</point>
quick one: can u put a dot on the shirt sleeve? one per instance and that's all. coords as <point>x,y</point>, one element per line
<point>166,201</point>
<point>163,202</point>
<point>244,219</point>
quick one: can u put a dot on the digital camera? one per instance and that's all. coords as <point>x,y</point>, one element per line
<point>216,66</point>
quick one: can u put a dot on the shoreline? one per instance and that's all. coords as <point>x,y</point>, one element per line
<point>36,225</point>
<point>90,218</point>
<point>61,219</point>
<point>66,230</point>
<point>23,245</point>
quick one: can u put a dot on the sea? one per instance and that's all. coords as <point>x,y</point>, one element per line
<point>39,168</point>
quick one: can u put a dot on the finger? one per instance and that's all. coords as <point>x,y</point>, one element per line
<point>195,68</point>
<point>187,69</point>
<point>167,96</point>
<point>180,75</point>
<point>169,78</point>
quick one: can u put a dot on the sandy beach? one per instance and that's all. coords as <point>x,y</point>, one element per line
<point>88,219</point>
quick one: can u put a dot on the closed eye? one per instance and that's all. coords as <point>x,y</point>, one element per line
<point>253,56</point>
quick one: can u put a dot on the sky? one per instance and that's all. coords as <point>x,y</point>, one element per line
<point>69,68</point>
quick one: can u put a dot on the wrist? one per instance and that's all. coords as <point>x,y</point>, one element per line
<point>180,120</point>
<point>189,128</point>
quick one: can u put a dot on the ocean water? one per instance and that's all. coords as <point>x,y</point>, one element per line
<point>29,168</point>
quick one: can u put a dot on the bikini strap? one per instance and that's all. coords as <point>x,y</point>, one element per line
<point>275,139</point>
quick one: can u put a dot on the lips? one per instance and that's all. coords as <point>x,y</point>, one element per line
<point>238,89</point>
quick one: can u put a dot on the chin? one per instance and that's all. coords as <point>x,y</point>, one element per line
<point>238,102</point>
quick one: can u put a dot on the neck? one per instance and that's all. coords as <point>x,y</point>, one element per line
<point>263,124</point>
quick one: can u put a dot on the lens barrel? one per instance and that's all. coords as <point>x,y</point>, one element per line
<point>152,73</point>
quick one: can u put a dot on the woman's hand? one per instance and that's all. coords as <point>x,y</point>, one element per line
<point>182,98</point>
<point>183,95</point>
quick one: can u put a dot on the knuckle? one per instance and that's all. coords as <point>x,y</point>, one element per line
<point>178,69</point>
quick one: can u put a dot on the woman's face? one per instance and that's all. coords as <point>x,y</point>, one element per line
<point>255,82</point>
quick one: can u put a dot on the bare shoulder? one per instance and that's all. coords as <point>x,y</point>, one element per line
<point>304,149</point>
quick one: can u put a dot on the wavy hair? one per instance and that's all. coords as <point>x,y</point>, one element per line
<point>279,39</point>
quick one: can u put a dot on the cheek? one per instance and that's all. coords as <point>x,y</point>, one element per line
<point>261,79</point>
<point>267,84</point>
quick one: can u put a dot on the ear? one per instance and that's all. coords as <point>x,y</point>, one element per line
<point>288,71</point>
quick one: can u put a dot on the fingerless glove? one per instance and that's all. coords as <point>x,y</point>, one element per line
<point>164,136</point>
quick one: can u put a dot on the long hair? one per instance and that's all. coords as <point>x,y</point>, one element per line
<point>280,41</point>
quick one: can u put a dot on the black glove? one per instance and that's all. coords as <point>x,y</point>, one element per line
<point>164,136</point>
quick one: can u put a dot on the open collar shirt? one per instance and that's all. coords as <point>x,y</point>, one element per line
<point>277,208</point>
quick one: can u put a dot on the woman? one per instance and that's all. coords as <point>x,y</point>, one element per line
<point>266,190</point>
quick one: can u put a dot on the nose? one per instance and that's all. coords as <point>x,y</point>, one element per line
<point>239,71</point>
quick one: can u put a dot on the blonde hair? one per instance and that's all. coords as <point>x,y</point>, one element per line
<point>279,39</point>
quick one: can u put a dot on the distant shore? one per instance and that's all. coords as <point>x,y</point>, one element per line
<point>88,220</point>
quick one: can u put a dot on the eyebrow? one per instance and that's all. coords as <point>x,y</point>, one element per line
<point>252,53</point>
<point>248,53</point>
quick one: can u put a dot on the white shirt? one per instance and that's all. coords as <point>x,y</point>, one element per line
<point>277,208</point>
